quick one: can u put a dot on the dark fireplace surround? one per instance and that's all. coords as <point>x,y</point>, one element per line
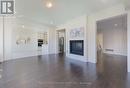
<point>77,47</point>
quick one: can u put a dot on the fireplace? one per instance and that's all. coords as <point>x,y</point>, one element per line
<point>77,47</point>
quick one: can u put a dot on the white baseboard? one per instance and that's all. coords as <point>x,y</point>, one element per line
<point>121,54</point>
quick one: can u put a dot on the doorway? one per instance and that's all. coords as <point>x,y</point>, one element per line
<point>61,41</point>
<point>112,37</point>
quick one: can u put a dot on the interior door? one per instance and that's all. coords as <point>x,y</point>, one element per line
<point>61,44</point>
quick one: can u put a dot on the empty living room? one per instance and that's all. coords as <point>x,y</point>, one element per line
<point>64,43</point>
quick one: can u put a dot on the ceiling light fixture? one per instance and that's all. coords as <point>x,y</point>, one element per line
<point>23,26</point>
<point>49,4</point>
<point>52,22</point>
<point>116,25</point>
<point>104,1</point>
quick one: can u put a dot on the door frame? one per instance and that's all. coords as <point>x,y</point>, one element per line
<point>96,34</point>
<point>57,40</point>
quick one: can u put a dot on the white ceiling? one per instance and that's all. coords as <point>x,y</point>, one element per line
<point>62,11</point>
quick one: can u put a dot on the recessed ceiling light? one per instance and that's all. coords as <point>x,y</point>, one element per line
<point>116,25</point>
<point>52,22</point>
<point>104,1</point>
<point>49,4</point>
<point>23,26</point>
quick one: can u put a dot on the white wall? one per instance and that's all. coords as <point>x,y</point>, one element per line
<point>52,41</point>
<point>31,29</point>
<point>24,33</point>
<point>115,39</point>
<point>75,23</point>
<point>128,34</point>
<point>31,49</point>
<point>24,50</point>
<point>1,39</point>
<point>9,24</point>
<point>13,27</point>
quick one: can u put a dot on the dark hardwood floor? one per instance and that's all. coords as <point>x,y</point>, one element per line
<point>57,71</point>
